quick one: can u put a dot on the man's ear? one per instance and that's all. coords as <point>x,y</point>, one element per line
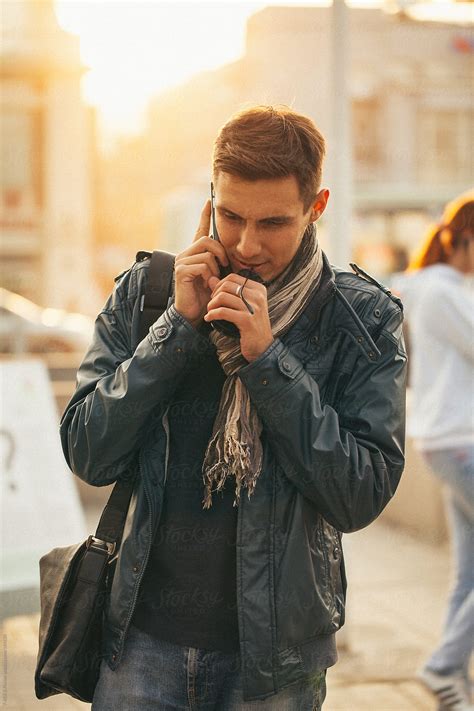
<point>319,205</point>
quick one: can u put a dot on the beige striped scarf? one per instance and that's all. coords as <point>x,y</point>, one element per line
<point>235,448</point>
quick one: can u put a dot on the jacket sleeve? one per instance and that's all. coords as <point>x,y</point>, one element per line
<point>346,459</point>
<point>117,390</point>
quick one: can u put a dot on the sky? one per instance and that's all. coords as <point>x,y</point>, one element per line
<point>135,49</point>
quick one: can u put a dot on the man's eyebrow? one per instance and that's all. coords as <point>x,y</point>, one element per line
<point>270,218</point>
<point>277,218</point>
<point>222,208</point>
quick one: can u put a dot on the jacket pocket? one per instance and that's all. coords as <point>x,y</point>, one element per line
<point>303,574</point>
<point>337,583</point>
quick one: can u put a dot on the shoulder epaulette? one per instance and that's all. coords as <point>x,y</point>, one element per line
<point>142,255</point>
<point>360,272</point>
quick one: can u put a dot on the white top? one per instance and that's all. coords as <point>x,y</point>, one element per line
<point>439,308</point>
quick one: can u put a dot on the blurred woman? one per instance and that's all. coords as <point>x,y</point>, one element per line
<point>438,294</point>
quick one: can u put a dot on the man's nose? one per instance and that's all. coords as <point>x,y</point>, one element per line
<point>248,246</point>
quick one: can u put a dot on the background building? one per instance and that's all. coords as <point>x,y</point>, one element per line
<point>411,107</point>
<point>66,210</point>
<point>47,161</point>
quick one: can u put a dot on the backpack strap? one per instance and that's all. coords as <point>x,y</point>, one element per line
<point>154,301</point>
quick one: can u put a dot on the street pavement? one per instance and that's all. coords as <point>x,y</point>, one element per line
<point>396,598</point>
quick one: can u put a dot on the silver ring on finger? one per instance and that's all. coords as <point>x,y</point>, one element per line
<point>239,292</point>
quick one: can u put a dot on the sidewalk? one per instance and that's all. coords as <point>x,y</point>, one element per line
<point>396,598</point>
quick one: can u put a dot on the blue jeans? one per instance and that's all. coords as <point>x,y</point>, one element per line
<point>160,676</point>
<point>455,468</point>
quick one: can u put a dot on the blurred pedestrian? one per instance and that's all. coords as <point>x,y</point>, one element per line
<point>438,295</point>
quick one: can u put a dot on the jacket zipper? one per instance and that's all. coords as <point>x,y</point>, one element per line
<point>273,610</point>
<point>139,579</point>
<point>166,427</point>
<point>147,554</point>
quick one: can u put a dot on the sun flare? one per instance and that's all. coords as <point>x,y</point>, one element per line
<point>136,50</point>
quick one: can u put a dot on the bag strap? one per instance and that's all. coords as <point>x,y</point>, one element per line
<point>111,523</point>
<point>152,304</point>
<point>158,288</point>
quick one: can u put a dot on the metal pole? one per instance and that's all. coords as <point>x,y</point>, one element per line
<point>340,161</point>
<point>340,150</point>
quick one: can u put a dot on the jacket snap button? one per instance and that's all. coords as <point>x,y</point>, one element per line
<point>114,657</point>
<point>371,355</point>
<point>314,339</point>
<point>135,568</point>
<point>286,366</point>
<point>264,381</point>
<point>161,331</point>
<point>359,339</point>
<point>377,312</point>
<point>179,350</point>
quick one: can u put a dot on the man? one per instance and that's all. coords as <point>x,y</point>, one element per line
<point>253,453</point>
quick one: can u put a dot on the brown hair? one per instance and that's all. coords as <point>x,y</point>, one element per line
<point>271,142</point>
<point>456,226</point>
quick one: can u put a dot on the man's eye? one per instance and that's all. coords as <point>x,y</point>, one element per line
<point>273,223</point>
<point>232,218</point>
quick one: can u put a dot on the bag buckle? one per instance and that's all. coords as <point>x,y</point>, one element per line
<point>93,542</point>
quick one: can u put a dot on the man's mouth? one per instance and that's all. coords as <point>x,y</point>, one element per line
<point>243,265</point>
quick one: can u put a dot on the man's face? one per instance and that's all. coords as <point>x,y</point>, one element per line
<point>261,222</point>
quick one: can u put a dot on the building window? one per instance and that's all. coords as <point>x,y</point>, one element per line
<point>20,160</point>
<point>366,145</point>
<point>442,140</point>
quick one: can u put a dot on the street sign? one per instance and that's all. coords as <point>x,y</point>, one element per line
<point>40,504</point>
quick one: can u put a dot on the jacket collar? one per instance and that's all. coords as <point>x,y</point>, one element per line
<point>323,293</point>
<point>326,291</point>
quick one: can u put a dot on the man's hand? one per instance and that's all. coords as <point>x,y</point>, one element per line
<point>193,269</point>
<point>255,329</point>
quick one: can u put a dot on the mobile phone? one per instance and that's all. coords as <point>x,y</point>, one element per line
<point>229,329</point>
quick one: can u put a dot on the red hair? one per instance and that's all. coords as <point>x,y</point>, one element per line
<point>442,239</point>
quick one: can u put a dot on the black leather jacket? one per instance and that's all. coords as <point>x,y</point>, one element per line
<point>331,397</point>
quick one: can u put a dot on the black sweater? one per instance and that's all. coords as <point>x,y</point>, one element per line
<point>188,593</point>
